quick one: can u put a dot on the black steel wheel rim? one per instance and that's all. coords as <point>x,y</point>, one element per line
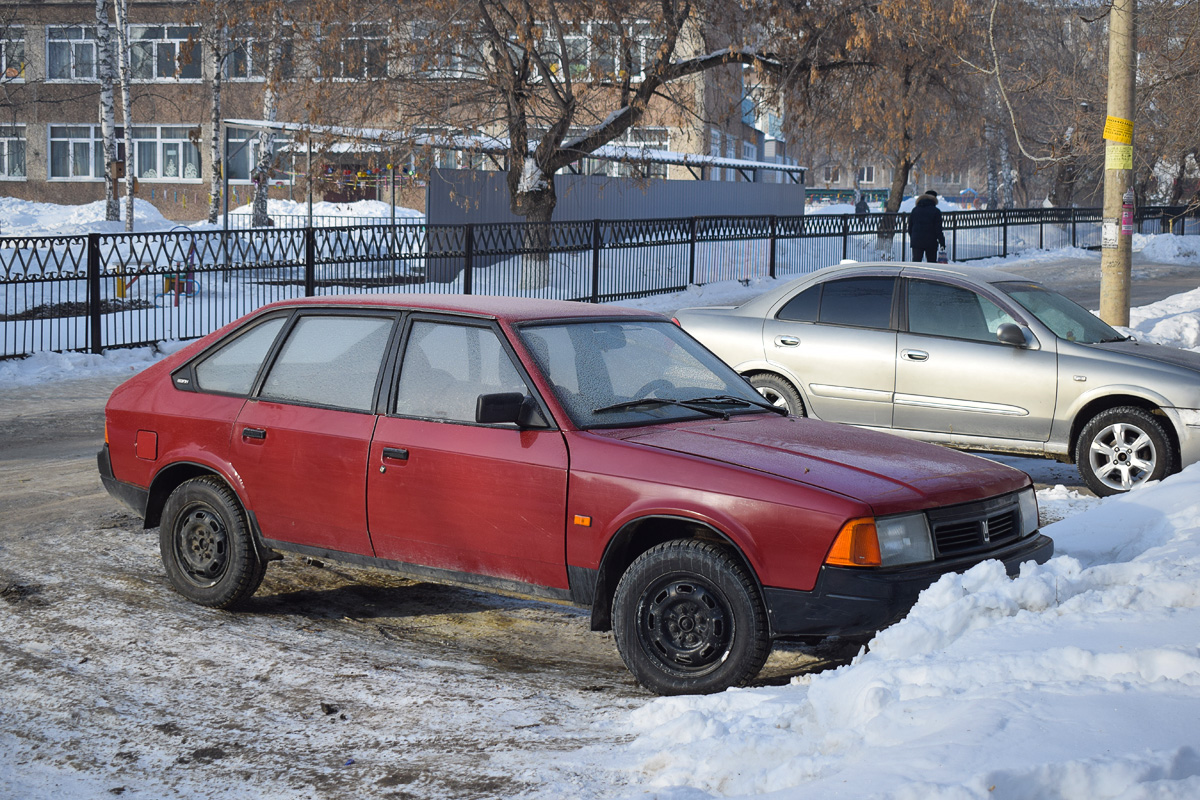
<point>685,624</point>
<point>202,545</point>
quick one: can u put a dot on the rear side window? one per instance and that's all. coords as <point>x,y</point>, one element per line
<point>860,302</point>
<point>330,361</point>
<point>802,307</point>
<point>231,369</point>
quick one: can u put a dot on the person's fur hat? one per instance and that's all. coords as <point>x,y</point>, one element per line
<point>931,192</point>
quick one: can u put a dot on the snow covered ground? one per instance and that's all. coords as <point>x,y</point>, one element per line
<point>1079,680</point>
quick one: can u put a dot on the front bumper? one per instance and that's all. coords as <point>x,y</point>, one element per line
<point>135,497</point>
<point>856,602</point>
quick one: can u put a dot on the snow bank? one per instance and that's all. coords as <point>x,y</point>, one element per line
<point>1078,679</point>
<point>25,218</point>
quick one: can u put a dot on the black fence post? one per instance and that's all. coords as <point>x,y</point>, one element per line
<point>845,237</point>
<point>310,262</point>
<point>771,258</point>
<point>595,261</point>
<point>93,290</point>
<point>692,251</point>
<point>1073,226</point>
<point>953,236</point>
<point>1004,227</point>
<point>468,258</point>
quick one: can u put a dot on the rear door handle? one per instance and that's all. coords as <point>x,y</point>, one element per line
<point>914,355</point>
<point>253,433</point>
<point>786,341</point>
<point>395,453</point>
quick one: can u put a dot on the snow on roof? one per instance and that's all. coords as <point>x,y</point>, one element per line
<point>481,143</point>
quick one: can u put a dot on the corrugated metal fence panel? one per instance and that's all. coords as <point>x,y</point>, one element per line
<point>456,197</point>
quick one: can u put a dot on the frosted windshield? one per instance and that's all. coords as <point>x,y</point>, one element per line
<point>600,369</point>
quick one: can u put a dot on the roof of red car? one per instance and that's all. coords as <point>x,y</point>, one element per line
<point>515,309</point>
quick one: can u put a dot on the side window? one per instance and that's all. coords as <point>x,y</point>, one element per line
<point>939,309</point>
<point>861,302</point>
<point>231,369</point>
<point>330,361</point>
<point>802,307</point>
<point>446,367</point>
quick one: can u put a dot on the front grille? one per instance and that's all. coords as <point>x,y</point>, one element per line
<point>975,527</point>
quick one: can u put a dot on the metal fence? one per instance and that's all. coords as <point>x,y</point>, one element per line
<point>97,291</point>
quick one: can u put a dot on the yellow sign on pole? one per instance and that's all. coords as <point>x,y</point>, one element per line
<point>1118,130</point>
<point>1118,156</point>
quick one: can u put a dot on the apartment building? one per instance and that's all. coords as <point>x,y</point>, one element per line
<point>51,146</point>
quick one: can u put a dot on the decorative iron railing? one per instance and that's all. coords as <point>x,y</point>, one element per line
<point>97,291</point>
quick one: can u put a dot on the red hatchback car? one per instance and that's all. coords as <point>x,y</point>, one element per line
<point>588,454</point>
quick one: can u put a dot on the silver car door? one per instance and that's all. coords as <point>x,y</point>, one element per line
<point>844,353</point>
<point>954,376</point>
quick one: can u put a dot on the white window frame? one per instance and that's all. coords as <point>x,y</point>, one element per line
<point>254,56</point>
<point>235,137</point>
<point>170,142</point>
<point>12,64</point>
<point>163,50</point>
<point>10,137</point>
<point>730,152</point>
<point>73,43</point>
<point>355,32</point>
<point>74,139</point>
<point>866,174</point>
<point>714,149</point>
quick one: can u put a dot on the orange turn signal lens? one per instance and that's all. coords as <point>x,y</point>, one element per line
<point>856,545</point>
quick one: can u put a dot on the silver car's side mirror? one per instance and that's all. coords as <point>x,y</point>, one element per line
<point>1008,333</point>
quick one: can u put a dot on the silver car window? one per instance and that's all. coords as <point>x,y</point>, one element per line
<point>1064,317</point>
<point>939,309</point>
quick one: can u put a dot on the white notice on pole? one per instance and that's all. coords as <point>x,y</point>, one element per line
<point>1108,234</point>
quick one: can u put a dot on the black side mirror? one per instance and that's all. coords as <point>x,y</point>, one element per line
<point>519,409</point>
<point>1008,333</point>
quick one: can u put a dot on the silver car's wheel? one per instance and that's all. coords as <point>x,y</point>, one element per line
<point>1122,448</point>
<point>778,392</point>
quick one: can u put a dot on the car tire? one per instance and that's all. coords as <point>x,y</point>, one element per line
<point>778,392</point>
<point>206,546</point>
<point>688,619</point>
<point>1121,448</point>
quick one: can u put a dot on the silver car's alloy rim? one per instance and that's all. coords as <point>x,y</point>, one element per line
<point>773,397</point>
<point>1122,456</point>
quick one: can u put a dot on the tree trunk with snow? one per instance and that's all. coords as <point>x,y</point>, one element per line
<point>218,51</point>
<point>266,139</point>
<point>106,71</point>
<point>122,14</point>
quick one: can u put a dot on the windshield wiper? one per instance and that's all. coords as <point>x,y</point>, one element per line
<point>731,400</point>
<point>1115,339</point>
<point>662,401</point>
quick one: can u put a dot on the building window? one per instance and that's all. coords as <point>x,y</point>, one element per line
<point>164,52</point>
<point>76,152</point>
<point>730,152</point>
<point>12,54</point>
<point>866,174</point>
<point>165,153</point>
<point>243,157</point>
<point>12,152</point>
<point>833,174</point>
<point>71,53</point>
<point>248,58</point>
<point>354,52</point>
<point>715,150</point>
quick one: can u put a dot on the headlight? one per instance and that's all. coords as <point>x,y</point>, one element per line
<point>1029,511</point>
<point>904,540</point>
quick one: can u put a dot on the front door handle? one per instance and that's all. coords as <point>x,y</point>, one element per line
<point>914,355</point>
<point>786,341</point>
<point>253,433</point>
<point>395,453</point>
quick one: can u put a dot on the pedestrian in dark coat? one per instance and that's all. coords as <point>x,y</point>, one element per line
<point>925,228</point>
<point>861,206</point>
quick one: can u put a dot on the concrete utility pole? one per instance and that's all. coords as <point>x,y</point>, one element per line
<point>1117,232</point>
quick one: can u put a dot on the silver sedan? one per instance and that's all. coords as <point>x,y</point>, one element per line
<point>974,359</point>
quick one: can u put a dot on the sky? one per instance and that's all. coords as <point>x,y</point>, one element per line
<point>1078,680</point>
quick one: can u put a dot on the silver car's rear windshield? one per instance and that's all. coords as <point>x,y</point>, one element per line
<point>1065,317</point>
<point>618,373</point>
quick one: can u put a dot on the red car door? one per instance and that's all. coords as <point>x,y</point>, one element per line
<point>302,444</point>
<point>445,492</point>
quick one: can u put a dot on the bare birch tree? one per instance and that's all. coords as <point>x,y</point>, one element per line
<point>107,73</point>
<point>121,7</point>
